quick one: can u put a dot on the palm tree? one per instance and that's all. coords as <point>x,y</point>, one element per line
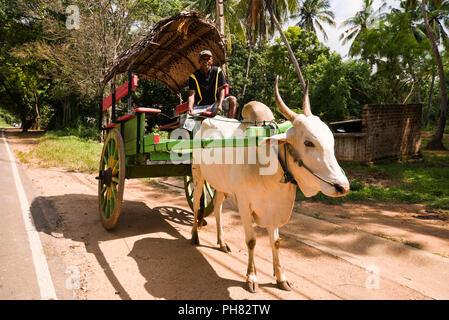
<point>278,10</point>
<point>260,25</point>
<point>224,13</point>
<point>315,12</point>
<point>257,29</point>
<point>273,8</point>
<point>437,139</point>
<point>435,14</point>
<point>361,22</point>
<point>438,15</point>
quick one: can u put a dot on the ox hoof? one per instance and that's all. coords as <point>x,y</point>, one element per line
<point>252,286</point>
<point>284,285</point>
<point>195,240</point>
<point>225,248</point>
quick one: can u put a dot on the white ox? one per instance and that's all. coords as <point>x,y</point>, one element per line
<point>268,199</point>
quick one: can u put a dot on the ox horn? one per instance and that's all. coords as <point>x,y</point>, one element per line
<point>289,114</point>
<point>306,109</point>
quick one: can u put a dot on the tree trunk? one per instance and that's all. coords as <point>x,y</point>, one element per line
<point>437,140</point>
<point>287,44</point>
<point>250,49</point>
<point>24,123</point>
<point>220,17</point>
<point>221,28</point>
<point>66,111</point>
<point>429,103</point>
<point>38,115</point>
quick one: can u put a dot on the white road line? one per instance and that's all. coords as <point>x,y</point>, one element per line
<point>45,282</point>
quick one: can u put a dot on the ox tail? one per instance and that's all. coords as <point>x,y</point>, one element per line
<point>201,212</point>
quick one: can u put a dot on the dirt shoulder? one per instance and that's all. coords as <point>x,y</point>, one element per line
<point>328,252</point>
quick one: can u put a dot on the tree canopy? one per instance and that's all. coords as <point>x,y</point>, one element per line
<point>53,57</point>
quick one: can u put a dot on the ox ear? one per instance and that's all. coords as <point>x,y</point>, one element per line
<point>278,139</point>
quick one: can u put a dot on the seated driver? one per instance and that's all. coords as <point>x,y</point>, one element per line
<point>206,90</point>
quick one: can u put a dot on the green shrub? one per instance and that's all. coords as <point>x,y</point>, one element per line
<point>55,149</point>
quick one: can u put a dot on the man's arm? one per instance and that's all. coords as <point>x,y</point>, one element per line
<point>221,96</point>
<point>191,101</point>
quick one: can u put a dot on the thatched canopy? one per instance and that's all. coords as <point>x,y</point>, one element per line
<point>170,51</point>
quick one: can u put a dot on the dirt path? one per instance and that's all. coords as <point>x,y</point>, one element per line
<point>327,251</point>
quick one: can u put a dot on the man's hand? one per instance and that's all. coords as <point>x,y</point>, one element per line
<point>220,108</point>
<point>191,101</point>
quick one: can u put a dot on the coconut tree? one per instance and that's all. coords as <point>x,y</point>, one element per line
<point>438,15</point>
<point>435,15</point>
<point>313,14</point>
<point>437,139</point>
<point>277,9</point>
<point>257,28</point>
<point>360,22</point>
<point>224,13</point>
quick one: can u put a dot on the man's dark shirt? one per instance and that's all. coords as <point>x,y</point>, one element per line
<point>206,86</point>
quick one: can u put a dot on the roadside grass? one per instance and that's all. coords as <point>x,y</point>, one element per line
<point>3,123</point>
<point>423,180</point>
<point>55,149</point>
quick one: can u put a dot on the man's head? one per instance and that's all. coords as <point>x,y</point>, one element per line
<point>206,60</point>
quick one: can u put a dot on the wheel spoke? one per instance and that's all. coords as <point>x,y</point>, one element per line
<point>111,205</point>
<point>106,211</point>
<point>104,204</point>
<point>209,190</point>
<point>116,168</point>
<point>116,155</point>
<point>190,186</point>
<point>205,196</point>
<point>108,149</point>
<point>105,160</point>
<point>114,162</point>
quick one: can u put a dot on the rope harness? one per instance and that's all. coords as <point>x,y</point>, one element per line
<point>288,177</point>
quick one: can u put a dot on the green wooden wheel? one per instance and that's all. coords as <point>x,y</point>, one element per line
<point>112,179</point>
<point>208,195</point>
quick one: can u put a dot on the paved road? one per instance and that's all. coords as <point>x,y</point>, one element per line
<point>24,271</point>
<point>18,278</point>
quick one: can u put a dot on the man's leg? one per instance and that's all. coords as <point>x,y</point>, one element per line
<point>230,106</point>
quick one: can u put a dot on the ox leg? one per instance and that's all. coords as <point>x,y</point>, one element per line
<point>275,242</point>
<point>198,183</point>
<point>218,204</point>
<point>250,238</point>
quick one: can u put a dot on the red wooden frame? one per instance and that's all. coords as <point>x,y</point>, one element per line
<point>146,110</point>
<point>121,92</point>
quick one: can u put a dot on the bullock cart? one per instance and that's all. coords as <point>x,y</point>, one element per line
<point>131,150</point>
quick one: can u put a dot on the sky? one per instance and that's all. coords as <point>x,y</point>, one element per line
<point>344,9</point>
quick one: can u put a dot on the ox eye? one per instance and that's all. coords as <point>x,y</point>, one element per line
<point>309,144</point>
